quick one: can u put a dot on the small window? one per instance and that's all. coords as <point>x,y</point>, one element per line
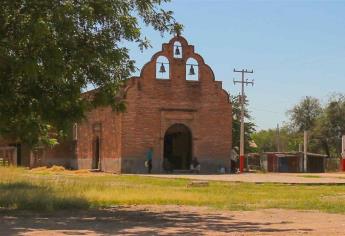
<point>177,50</point>
<point>192,69</point>
<point>97,127</point>
<point>162,68</point>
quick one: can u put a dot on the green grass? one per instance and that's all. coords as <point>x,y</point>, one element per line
<point>310,176</point>
<point>53,190</point>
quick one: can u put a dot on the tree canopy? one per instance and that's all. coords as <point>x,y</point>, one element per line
<point>331,125</point>
<point>267,140</point>
<point>326,125</point>
<point>304,114</point>
<point>50,51</point>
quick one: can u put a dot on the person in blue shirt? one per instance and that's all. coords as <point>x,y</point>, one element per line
<point>149,155</point>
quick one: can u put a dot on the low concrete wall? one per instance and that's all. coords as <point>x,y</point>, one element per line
<point>112,165</point>
<point>137,165</point>
<point>213,165</point>
<point>133,165</point>
<point>84,163</point>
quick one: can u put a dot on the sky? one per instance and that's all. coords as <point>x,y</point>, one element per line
<point>296,49</point>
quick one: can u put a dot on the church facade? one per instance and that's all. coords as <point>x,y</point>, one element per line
<point>176,107</point>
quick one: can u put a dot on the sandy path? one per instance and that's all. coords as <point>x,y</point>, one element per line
<point>173,220</point>
<point>289,178</point>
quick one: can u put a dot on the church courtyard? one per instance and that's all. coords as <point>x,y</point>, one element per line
<point>173,220</point>
<point>61,202</point>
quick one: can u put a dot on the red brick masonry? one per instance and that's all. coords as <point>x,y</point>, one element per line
<point>154,105</point>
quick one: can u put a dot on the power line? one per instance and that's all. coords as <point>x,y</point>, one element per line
<point>275,112</point>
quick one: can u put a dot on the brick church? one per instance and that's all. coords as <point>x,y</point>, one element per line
<point>175,106</point>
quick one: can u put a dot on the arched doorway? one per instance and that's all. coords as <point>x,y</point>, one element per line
<point>178,147</point>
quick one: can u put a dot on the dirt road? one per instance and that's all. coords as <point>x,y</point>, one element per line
<point>287,178</point>
<point>172,220</point>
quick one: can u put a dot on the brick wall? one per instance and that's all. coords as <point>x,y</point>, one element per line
<point>102,123</point>
<point>154,105</point>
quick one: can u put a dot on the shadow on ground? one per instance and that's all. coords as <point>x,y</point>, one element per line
<point>28,196</point>
<point>129,221</point>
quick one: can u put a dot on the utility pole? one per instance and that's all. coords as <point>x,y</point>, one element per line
<point>242,82</point>
<point>343,153</point>
<point>305,150</point>
<point>278,138</point>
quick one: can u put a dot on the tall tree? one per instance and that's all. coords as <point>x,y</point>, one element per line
<point>326,125</point>
<point>50,51</point>
<point>249,126</point>
<point>266,140</point>
<point>304,115</point>
<point>331,125</point>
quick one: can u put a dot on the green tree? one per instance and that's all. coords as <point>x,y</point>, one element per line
<point>249,126</point>
<point>304,115</point>
<point>266,140</point>
<point>51,51</point>
<point>325,125</point>
<point>331,126</point>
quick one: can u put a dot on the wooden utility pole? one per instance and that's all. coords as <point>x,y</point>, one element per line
<point>305,150</point>
<point>278,138</point>
<point>343,146</point>
<point>242,82</point>
<point>343,153</point>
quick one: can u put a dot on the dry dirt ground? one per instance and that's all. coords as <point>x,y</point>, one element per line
<point>288,178</point>
<point>172,220</point>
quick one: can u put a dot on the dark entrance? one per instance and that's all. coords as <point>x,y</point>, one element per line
<point>96,154</point>
<point>19,153</point>
<point>178,147</point>
<point>315,164</point>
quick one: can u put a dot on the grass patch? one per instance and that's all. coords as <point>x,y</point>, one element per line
<point>310,176</point>
<point>53,190</point>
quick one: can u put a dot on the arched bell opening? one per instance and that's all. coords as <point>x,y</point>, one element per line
<point>162,68</point>
<point>192,69</point>
<point>177,50</point>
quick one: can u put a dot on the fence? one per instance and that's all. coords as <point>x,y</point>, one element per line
<point>332,164</point>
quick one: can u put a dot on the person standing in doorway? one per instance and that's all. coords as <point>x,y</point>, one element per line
<point>233,160</point>
<point>149,155</point>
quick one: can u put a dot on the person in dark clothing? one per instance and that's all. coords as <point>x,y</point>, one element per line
<point>233,160</point>
<point>148,162</point>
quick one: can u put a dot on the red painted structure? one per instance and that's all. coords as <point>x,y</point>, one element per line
<point>342,164</point>
<point>342,160</point>
<point>241,164</point>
